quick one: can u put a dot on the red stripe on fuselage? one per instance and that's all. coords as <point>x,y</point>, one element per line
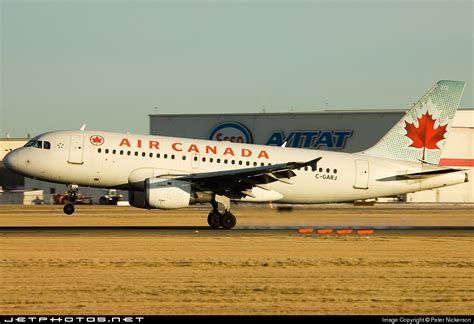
<point>457,162</point>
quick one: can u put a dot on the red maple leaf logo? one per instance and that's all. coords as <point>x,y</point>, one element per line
<point>425,135</point>
<point>97,140</point>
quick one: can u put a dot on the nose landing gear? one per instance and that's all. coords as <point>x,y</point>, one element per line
<point>72,193</point>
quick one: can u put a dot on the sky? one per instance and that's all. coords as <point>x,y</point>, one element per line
<point>111,63</point>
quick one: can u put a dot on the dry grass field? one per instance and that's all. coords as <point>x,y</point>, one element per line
<point>201,273</point>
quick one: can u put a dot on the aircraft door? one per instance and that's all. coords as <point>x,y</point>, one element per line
<point>195,161</point>
<point>362,174</point>
<point>76,149</point>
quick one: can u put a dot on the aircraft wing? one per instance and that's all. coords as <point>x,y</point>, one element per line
<point>235,183</point>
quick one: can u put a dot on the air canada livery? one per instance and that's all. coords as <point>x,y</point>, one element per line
<point>171,172</point>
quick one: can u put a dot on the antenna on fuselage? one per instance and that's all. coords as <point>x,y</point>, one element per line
<point>83,127</point>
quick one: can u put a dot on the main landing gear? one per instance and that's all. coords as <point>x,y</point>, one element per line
<point>72,193</point>
<point>216,219</point>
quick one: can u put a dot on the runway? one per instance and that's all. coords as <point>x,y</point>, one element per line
<point>115,260</point>
<point>238,231</point>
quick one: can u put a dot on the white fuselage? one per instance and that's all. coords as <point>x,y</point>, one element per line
<point>114,160</point>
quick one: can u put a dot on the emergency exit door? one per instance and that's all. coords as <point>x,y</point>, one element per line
<point>362,174</point>
<point>76,149</point>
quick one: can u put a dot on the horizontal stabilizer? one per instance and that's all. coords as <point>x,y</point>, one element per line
<point>419,175</point>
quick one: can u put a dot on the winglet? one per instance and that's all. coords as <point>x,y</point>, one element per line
<point>83,127</point>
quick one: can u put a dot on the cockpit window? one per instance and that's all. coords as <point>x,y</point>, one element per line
<point>30,143</point>
<point>35,143</point>
<point>46,145</point>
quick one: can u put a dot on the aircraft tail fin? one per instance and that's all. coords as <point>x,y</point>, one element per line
<point>422,132</point>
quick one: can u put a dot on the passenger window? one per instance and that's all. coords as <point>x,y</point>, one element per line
<point>121,152</point>
<point>158,155</point>
<point>203,159</point>
<point>211,160</point>
<point>47,145</point>
<point>218,160</point>
<point>255,164</point>
<point>225,161</point>
<point>143,154</point>
<point>136,153</point>
<point>150,155</point>
<point>128,152</point>
<point>114,151</point>
<point>327,170</point>
<point>165,156</point>
<point>320,169</point>
<point>335,171</point>
<point>247,163</point>
<point>99,150</point>
<point>172,156</point>
<point>184,157</point>
<point>106,151</point>
<point>240,162</point>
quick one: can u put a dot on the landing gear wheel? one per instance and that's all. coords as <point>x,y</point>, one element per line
<point>228,220</point>
<point>68,209</point>
<point>214,219</point>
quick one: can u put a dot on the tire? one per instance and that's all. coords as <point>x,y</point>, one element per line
<point>228,220</point>
<point>214,219</point>
<point>68,209</point>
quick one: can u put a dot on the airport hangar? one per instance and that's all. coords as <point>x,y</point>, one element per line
<point>342,131</point>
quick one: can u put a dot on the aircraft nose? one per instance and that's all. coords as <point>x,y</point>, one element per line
<point>10,160</point>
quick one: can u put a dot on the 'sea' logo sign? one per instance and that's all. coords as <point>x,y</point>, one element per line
<point>231,132</point>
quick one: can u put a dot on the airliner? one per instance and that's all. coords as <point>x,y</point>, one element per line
<point>171,172</point>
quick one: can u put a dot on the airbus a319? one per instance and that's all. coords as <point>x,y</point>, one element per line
<point>169,172</point>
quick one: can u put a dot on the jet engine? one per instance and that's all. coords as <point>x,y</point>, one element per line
<point>166,194</point>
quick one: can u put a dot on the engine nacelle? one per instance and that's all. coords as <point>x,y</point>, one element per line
<point>167,193</point>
